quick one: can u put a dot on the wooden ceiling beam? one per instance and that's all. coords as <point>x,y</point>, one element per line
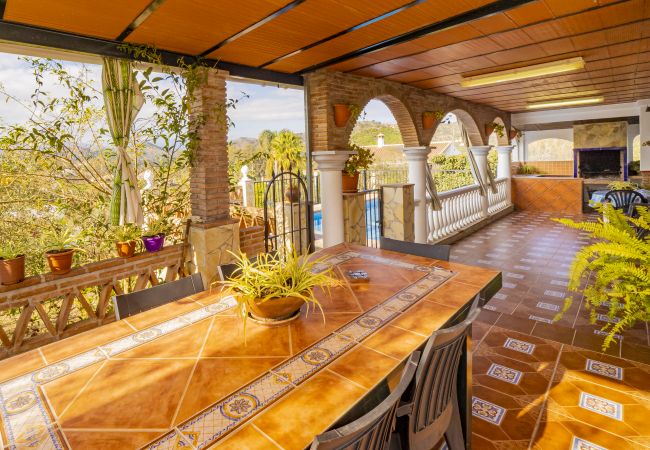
<point>487,10</point>
<point>149,10</point>
<point>44,37</point>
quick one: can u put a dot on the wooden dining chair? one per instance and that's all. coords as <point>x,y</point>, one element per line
<point>440,252</point>
<point>430,410</point>
<point>373,430</point>
<point>136,302</point>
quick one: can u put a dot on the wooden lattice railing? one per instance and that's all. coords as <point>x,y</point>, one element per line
<point>48,307</point>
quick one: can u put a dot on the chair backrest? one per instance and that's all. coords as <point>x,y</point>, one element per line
<point>371,431</point>
<point>225,271</point>
<point>136,302</point>
<point>435,382</point>
<point>440,252</point>
<point>623,198</point>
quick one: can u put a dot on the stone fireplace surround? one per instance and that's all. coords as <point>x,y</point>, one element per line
<point>596,154</point>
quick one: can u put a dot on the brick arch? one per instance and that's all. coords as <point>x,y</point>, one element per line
<point>402,116</point>
<point>470,124</point>
<point>505,140</point>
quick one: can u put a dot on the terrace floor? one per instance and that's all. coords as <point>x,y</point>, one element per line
<point>548,385</point>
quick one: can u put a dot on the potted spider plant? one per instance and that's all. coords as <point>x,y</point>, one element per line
<point>60,243</point>
<point>153,237</point>
<point>360,160</point>
<point>272,288</point>
<point>126,238</point>
<point>12,264</point>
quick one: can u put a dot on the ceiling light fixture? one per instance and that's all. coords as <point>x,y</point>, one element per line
<point>520,73</point>
<point>567,102</point>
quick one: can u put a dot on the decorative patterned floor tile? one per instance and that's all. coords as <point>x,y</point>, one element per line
<point>487,411</point>
<point>514,275</point>
<point>509,285</point>
<point>607,319</point>
<point>504,373</point>
<point>581,444</point>
<point>604,369</point>
<point>601,406</point>
<point>551,293</point>
<point>500,296</point>
<point>490,307</point>
<point>539,319</point>
<point>520,267</point>
<point>519,346</point>
<point>605,333</point>
<point>548,306</point>
<point>560,283</point>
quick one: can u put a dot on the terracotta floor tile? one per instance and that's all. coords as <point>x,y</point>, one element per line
<point>20,364</point>
<point>215,378</point>
<point>247,437</point>
<point>341,300</point>
<point>109,440</point>
<point>292,423</point>
<point>118,390</point>
<point>364,366</point>
<point>62,391</point>
<point>370,294</point>
<point>453,294</point>
<point>311,328</point>
<point>394,342</point>
<point>183,343</point>
<point>259,340</point>
<point>424,318</point>
<point>84,341</point>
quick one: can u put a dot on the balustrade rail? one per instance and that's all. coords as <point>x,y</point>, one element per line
<point>49,307</point>
<point>499,201</point>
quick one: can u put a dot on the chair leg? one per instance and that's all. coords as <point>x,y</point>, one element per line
<point>454,434</point>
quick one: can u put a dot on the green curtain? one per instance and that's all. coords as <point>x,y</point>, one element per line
<point>123,100</point>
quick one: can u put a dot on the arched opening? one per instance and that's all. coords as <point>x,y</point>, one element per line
<point>499,134</point>
<point>448,158</point>
<point>550,149</point>
<point>377,129</point>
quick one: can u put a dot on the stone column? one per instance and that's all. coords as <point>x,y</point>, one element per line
<point>644,132</point>
<point>480,153</point>
<point>354,217</point>
<point>330,165</point>
<point>417,163</point>
<point>398,210</point>
<point>213,232</point>
<point>504,167</point>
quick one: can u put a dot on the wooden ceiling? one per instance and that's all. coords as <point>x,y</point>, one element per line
<point>613,36</point>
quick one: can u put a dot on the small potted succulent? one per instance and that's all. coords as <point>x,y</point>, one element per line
<point>12,264</point>
<point>343,112</point>
<point>60,244</point>
<point>153,237</point>
<point>272,288</point>
<point>429,118</point>
<point>126,238</point>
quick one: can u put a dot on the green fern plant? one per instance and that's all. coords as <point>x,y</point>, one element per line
<point>617,268</point>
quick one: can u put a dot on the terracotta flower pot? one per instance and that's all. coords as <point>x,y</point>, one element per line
<point>512,134</point>
<point>428,121</point>
<point>153,243</point>
<point>125,249</point>
<point>342,114</point>
<point>350,182</point>
<point>292,194</point>
<point>60,261</point>
<point>275,310</point>
<point>12,271</point>
<point>489,129</point>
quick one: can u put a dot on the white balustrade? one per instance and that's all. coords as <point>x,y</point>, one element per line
<point>464,207</point>
<point>499,201</point>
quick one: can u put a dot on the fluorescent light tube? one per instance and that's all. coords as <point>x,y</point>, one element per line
<point>520,73</point>
<point>567,102</point>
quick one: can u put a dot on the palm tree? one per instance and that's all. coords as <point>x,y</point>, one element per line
<point>287,152</point>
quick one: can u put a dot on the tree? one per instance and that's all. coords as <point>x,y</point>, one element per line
<point>287,152</point>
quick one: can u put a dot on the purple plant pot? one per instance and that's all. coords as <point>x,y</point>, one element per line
<point>153,243</point>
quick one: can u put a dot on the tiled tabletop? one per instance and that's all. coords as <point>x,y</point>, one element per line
<point>182,377</point>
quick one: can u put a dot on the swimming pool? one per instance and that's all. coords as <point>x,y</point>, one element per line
<point>372,219</point>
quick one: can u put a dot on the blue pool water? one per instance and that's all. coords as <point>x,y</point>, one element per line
<point>372,217</point>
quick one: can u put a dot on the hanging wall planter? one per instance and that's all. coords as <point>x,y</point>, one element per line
<point>489,128</point>
<point>429,118</point>
<point>342,114</point>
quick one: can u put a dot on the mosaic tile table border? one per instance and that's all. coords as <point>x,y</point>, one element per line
<point>28,423</point>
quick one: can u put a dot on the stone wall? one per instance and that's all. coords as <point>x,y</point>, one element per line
<point>407,103</point>
<point>600,135</point>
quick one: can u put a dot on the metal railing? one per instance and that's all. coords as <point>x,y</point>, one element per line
<point>372,201</point>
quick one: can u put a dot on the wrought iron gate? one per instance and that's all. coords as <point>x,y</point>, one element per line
<point>288,219</point>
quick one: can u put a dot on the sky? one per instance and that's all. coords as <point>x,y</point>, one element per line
<point>259,107</point>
